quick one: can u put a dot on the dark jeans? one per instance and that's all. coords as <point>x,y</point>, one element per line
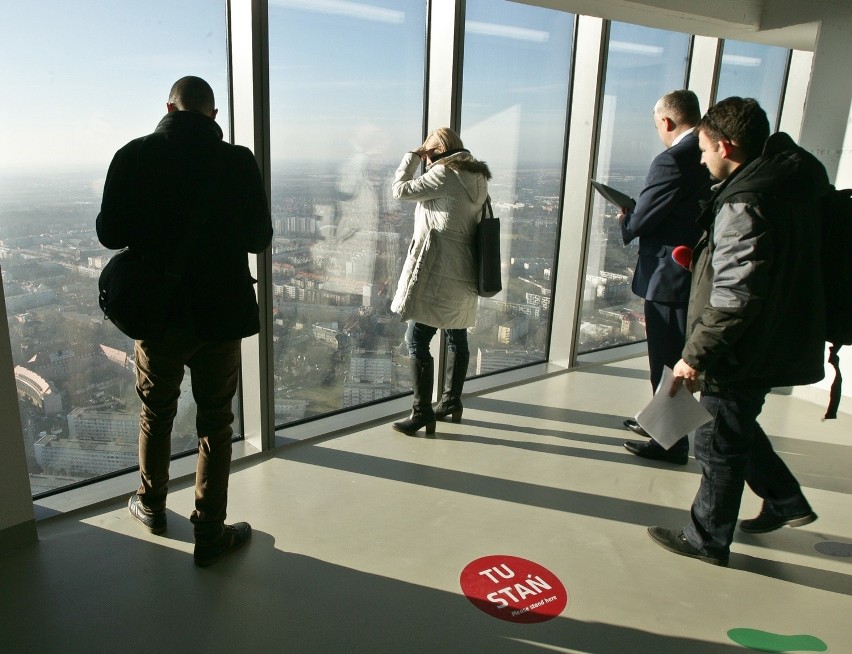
<point>418,337</point>
<point>732,450</point>
<point>214,368</point>
<point>665,330</point>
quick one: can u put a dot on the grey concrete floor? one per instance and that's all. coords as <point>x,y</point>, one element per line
<point>359,543</point>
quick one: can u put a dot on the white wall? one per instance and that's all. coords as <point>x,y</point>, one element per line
<point>16,508</point>
<point>826,133</point>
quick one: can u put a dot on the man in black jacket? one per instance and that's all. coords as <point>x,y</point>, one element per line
<point>664,218</point>
<point>756,320</point>
<point>181,193</point>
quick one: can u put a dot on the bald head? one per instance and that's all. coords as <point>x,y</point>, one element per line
<point>193,94</point>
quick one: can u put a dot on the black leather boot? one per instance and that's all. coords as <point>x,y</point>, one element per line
<point>422,415</point>
<point>450,404</point>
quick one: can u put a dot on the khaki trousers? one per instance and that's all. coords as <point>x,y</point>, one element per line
<point>214,370</point>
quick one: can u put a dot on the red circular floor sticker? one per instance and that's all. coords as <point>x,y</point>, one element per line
<point>513,589</point>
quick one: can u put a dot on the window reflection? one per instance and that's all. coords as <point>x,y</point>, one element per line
<point>74,372</point>
<point>515,93</point>
<point>346,86</point>
<point>753,70</point>
<point>642,65</point>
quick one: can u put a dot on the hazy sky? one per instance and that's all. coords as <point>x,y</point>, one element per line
<point>515,87</point>
<point>345,76</point>
<point>81,78</point>
<point>362,86</point>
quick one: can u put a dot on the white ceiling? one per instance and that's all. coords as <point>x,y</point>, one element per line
<point>789,23</point>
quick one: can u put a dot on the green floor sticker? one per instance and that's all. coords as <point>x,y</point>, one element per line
<point>766,641</point>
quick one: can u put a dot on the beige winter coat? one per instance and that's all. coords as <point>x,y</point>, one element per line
<point>438,285</point>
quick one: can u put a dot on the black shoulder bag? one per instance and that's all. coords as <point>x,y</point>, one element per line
<point>138,293</point>
<point>488,252</point>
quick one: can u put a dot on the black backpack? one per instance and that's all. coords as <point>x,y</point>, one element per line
<point>836,210</point>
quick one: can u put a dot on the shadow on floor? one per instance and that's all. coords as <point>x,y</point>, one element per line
<point>87,589</point>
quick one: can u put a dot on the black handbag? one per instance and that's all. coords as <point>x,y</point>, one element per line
<point>141,293</point>
<point>137,294</point>
<point>488,252</point>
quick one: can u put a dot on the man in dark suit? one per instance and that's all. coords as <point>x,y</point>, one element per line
<point>663,218</point>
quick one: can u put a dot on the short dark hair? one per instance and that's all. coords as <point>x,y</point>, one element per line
<point>681,106</point>
<point>738,120</point>
<point>192,94</point>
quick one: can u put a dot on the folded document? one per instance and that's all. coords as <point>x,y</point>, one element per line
<point>668,418</point>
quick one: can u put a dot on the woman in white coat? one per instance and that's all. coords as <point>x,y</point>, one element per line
<point>437,288</point>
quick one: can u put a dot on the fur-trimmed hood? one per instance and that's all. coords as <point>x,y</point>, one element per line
<point>462,160</point>
<point>470,172</point>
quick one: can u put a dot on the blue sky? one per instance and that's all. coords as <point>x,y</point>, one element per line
<point>95,74</point>
<point>344,76</point>
<point>79,79</point>
<point>515,87</point>
<point>82,78</point>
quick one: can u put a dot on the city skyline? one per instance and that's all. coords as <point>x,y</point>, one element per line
<point>76,123</point>
<point>325,327</point>
<point>340,120</point>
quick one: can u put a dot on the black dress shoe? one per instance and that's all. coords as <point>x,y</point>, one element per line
<point>654,451</point>
<point>768,521</point>
<point>636,428</point>
<point>153,521</point>
<point>675,541</point>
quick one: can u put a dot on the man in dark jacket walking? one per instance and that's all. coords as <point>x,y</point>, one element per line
<point>182,193</point>
<point>756,320</point>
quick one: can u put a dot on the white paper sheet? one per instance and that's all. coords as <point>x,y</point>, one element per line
<point>667,418</point>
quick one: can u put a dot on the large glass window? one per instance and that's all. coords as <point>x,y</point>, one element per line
<point>642,65</point>
<point>517,63</point>
<point>346,102</point>
<point>753,70</point>
<point>79,80</point>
